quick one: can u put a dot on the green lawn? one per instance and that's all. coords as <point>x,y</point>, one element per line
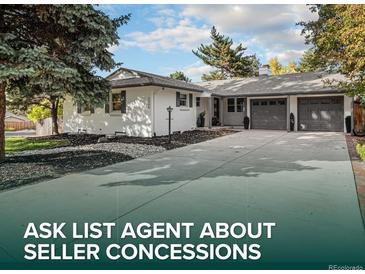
<point>15,144</point>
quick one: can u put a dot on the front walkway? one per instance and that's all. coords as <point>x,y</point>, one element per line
<point>301,181</point>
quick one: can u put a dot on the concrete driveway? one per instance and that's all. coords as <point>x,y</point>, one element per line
<point>301,181</point>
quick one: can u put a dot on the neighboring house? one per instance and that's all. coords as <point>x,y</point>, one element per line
<point>138,101</point>
<point>137,106</point>
<point>17,122</point>
<point>269,100</point>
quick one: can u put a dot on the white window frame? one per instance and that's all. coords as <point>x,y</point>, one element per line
<point>243,104</point>
<point>230,105</point>
<point>183,100</point>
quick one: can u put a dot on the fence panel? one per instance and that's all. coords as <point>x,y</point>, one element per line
<point>19,125</point>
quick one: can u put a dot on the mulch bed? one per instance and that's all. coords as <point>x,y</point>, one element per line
<point>358,167</point>
<point>21,169</point>
<point>177,139</point>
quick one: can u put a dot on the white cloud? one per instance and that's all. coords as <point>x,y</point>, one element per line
<point>269,30</point>
<point>249,19</point>
<point>196,70</point>
<point>181,36</point>
<point>286,55</point>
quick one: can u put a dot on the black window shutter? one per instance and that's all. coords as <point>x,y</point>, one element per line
<point>123,102</point>
<point>190,100</point>
<point>78,105</point>
<point>177,99</point>
<point>106,106</point>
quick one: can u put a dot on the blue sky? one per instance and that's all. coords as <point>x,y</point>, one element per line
<point>159,38</point>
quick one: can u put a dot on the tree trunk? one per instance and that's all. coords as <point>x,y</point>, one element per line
<point>54,114</point>
<point>2,122</point>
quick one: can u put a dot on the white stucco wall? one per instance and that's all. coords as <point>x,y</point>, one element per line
<point>204,106</point>
<point>137,121</point>
<point>145,115</point>
<point>183,117</point>
<point>232,118</point>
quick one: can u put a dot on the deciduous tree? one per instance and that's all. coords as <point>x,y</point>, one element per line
<point>338,38</point>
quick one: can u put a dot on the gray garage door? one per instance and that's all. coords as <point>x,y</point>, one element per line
<point>321,113</point>
<point>268,114</point>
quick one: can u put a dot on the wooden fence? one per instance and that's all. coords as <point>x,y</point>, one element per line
<point>21,125</point>
<point>359,117</point>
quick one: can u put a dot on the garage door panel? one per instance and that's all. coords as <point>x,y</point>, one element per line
<point>268,114</point>
<point>320,113</point>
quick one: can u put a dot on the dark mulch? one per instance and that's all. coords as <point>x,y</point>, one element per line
<point>177,139</point>
<point>21,170</point>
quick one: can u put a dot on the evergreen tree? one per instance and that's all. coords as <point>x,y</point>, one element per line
<point>179,75</point>
<point>53,50</point>
<point>230,61</point>
<point>213,75</point>
<point>311,62</point>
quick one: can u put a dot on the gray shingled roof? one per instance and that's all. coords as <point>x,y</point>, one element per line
<point>289,84</point>
<point>148,79</point>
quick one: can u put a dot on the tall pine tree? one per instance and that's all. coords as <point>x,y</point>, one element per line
<point>53,50</point>
<point>230,61</point>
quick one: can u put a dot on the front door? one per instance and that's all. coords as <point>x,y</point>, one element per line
<point>215,118</point>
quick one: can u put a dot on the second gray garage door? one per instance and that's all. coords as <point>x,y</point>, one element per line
<point>321,113</point>
<point>268,114</point>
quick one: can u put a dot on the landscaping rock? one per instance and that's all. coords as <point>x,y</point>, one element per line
<point>88,151</point>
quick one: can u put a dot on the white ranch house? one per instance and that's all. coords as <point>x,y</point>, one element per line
<point>138,102</point>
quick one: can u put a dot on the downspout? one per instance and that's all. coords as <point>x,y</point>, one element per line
<point>288,113</point>
<point>352,116</point>
<point>153,113</point>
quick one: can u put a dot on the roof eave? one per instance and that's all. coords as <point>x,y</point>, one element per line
<point>155,85</point>
<point>280,94</point>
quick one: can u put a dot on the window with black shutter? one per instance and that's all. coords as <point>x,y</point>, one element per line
<point>177,99</point>
<point>190,100</point>
<point>78,105</point>
<point>123,102</point>
<point>107,106</point>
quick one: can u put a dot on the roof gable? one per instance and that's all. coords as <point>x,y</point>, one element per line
<point>124,77</point>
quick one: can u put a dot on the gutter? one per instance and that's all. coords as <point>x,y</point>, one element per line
<point>279,94</point>
<point>156,85</point>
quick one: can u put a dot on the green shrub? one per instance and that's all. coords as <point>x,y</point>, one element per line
<point>360,148</point>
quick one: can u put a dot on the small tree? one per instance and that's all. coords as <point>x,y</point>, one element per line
<point>275,66</point>
<point>43,110</point>
<point>278,69</point>
<point>179,75</point>
<point>213,75</point>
